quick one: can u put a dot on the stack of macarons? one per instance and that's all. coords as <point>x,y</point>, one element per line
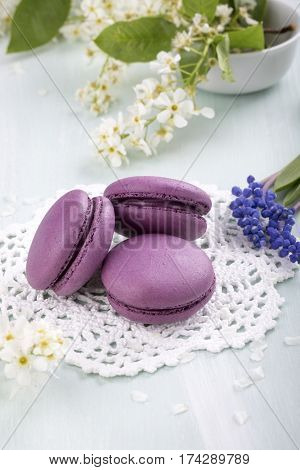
<point>158,275</point>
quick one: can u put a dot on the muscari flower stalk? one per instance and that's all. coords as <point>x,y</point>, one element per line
<point>264,221</point>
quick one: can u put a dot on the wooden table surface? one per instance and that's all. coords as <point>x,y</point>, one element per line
<point>44,147</point>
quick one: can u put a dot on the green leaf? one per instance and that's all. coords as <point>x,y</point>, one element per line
<point>36,22</point>
<point>288,176</point>
<point>292,196</point>
<point>223,49</point>
<point>137,40</point>
<point>248,38</point>
<point>205,7</point>
<point>260,10</point>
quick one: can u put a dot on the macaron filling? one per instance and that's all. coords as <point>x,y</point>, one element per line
<point>156,199</point>
<point>89,215</point>
<point>166,311</point>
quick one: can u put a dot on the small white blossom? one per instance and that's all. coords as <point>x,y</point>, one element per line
<point>246,16</point>
<point>224,12</point>
<point>137,113</point>
<point>137,140</point>
<point>20,363</point>
<point>165,62</point>
<point>183,40</point>
<point>92,51</point>
<point>92,27</point>
<point>73,31</point>
<point>114,70</point>
<point>29,347</point>
<point>91,8</point>
<point>171,9</point>
<point>96,94</point>
<point>150,7</point>
<point>113,150</point>
<point>174,108</point>
<point>197,23</point>
<point>162,134</point>
<point>20,330</point>
<point>206,29</point>
<point>48,342</point>
<point>147,91</point>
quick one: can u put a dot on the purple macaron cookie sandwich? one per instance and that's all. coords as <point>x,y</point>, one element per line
<point>151,204</point>
<point>157,278</point>
<point>70,243</point>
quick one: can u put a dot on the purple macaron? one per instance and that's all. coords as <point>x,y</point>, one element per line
<point>156,278</point>
<point>70,243</point>
<point>151,204</point>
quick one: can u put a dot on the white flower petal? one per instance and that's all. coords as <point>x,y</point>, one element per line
<point>116,161</point>
<point>241,417</point>
<point>257,356</point>
<point>24,378</point>
<point>292,340</point>
<point>163,100</point>
<point>7,354</point>
<point>179,408</point>
<point>179,121</point>
<point>257,374</point>
<point>138,396</point>
<point>207,112</point>
<point>259,344</point>
<point>242,382</point>
<point>179,95</point>
<point>10,370</point>
<point>187,107</point>
<point>40,364</point>
<point>164,116</point>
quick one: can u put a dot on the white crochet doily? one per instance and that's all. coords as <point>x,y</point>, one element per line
<point>244,307</point>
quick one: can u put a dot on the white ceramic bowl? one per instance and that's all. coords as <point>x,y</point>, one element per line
<point>254,71</point>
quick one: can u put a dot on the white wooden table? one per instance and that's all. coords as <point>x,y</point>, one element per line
<point>45,148</point>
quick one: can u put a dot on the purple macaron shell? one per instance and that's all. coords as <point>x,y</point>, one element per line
<point>70,242</point>
<point>151,204</point>
<point>57,237</point>
<point>93,249</point>
<point>156,278</point>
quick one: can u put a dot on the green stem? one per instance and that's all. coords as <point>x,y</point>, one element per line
<point>203,56</point>
<point>149,121</point>
<point>188,65</point>
<point>185,72</point>
<point>104,67</point>
<point>195,51</point>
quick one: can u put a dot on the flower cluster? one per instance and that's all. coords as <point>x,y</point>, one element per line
<point>265,222</point>
<point>97,94</point>
<point>199,29</point>
<point>27,348</point>
<point>90,17</point>
<point>160,104</point>
<point>165,103</point>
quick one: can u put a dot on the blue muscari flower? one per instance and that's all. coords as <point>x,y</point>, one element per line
<point>264,221</point>
<point>250,179</point>
<point>236,191</point>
